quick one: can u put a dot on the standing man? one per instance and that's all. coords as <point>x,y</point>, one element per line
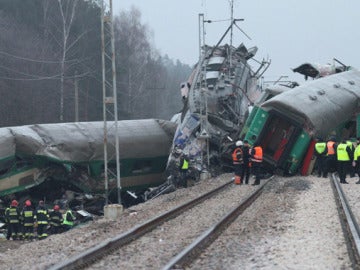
<point>246,164</point>
<point>344,156</point>
<point>237,157</point>
<point>330,157</point>
<point>56,219</point>
<point>351,169</point>
<point>69,219</point>
<point>320,151</point>
<point>7,222</point>
<point>12,216</point>
<point>256,162</point>
<point>42,219</point>
<point>184,168</point>
<point>356,162</point>
<point>27,215</point>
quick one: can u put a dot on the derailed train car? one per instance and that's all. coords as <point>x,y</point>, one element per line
<point>267,94</point>
<point>286,125</point>
<point>73,154</point>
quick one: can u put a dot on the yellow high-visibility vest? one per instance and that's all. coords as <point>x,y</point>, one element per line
<point>342,154</point>
<point>185,165</point>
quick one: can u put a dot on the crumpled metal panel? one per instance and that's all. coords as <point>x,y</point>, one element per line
<point>84,141</point>
<point>7,147</point>
<point>322,104</point>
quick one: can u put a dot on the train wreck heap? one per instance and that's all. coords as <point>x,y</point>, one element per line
<point>217,98</point>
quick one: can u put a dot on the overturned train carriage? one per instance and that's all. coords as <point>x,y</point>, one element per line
<point>73,153</point>
<point>286,124</point>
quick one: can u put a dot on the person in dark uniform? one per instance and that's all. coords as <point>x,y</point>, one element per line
<point>56,220</point>
<point>344,156</point>
<point>356,160</point>
<point>320,151</point>
<point>330,157</point>
<point>184,168</point>
<point>256,158</point>
<point>245,174</point>
<point>42,220</point>
<point>237,157</point>
<point>12,216</point>
<point>27,215</point>
<point>351,169</point>
<point>69,219</point>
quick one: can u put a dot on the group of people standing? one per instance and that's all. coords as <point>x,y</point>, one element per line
<point>342,157</point>
<point>22,223</point>
<point>247,160</point>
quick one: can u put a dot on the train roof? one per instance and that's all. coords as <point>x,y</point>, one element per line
<point>321,104</point>
<point>84,141</point>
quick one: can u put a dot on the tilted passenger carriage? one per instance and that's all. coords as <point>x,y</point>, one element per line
<point>286,124</point>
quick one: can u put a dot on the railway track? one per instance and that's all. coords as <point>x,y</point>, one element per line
<point>294,224</point>
<point>187,255</point>
<point>94,254</point>
<point>349,223</point>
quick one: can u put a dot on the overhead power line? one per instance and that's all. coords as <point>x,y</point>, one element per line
<point>34,60</point>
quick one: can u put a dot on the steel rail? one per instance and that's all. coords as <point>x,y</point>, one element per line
<point>95,253</point>
<point>191,252</point>
<point>348,222</point>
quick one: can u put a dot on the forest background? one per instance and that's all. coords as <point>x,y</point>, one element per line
<point>50,48</point>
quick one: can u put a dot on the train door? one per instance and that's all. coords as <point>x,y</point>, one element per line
<point>276,137</point>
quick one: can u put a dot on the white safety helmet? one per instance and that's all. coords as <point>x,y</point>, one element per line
<point>239,143</point>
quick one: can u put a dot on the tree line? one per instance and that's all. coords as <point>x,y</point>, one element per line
<point>50,48</point>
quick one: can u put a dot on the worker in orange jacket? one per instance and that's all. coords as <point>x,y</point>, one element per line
<point>237,157</point>
<point>256,157</point>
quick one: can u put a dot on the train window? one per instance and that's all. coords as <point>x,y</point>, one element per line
<point>142,166</point>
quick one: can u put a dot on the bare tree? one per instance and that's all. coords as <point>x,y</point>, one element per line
<point>67,12</point>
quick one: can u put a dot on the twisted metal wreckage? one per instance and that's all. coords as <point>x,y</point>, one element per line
<point>217,99</point>
<point>71,156</point>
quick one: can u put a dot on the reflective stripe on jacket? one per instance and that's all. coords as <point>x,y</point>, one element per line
<point>12,215</point>
<point>28,216</point>
<point>41,216</point>
<point>56,218</point>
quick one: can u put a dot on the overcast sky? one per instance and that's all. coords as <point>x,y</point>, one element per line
<point>289,32</point>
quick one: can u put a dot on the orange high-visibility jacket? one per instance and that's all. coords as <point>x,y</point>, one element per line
<point>237,156</point>
<point>258,155</point>
<point>330,148</point>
